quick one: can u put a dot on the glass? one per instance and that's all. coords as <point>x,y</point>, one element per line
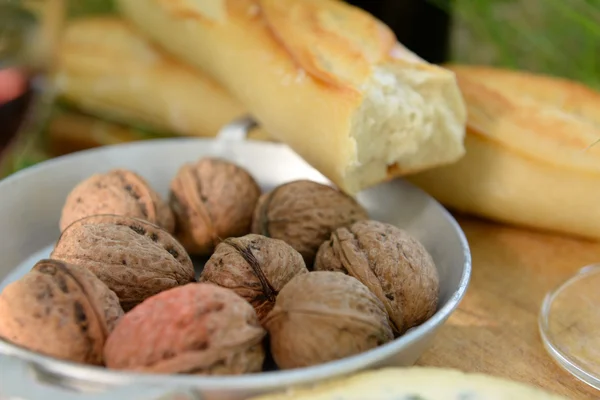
<point>570,325</point>
<point>28,33</point>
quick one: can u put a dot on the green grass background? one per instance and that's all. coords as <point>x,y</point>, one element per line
<point>556,37</point>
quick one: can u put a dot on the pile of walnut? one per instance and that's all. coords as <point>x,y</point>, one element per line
<point>120,289</point>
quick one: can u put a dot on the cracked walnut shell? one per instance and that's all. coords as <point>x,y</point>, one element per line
<point>213,199</point>
<point>393,265</point>
<point>325,316</point>
<point>118,192</point>
<point>255,267</point>
<point>198,328</point>
<point>134,258</point>
<point>59,310</point>
<point>303,214</point>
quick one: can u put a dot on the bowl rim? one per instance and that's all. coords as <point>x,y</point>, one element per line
<point>255,381</point>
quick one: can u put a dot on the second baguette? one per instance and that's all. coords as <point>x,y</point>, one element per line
<point>529,160</point>
<point>322,76</point>
<point>107,68</point>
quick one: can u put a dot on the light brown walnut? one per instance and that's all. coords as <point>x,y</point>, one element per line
<point>134,258</point>
<point>393,265</point>
<point>325,316</point>
<point>198,328</point>
<point>303,214</point>
<point>59,310</point>
<point>255,267</point>
<point>118,192</point>
<point>213,200</point>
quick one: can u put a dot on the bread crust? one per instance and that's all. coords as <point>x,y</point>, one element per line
<point>546,119</point>
<point>529,160</point>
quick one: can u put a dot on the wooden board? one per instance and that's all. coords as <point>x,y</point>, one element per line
<point>495,329</point>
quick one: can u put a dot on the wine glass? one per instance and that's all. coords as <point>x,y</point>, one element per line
<point>29,30</point>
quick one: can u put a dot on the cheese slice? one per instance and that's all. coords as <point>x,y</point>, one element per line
<point>416,383</point>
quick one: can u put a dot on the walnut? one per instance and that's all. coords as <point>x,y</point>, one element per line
<point>198,328</point>
<point>303,214</point>
<point>394,265</point>
<point>135,258</point>
<point>324,316</point>
<point>255,267</point>
<point>60,310</point>
<point>213,199</point>
<point>118,192</point>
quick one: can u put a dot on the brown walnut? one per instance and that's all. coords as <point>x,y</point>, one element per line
<point>325,316</point>
<point>198,328</point>
<point>118,192</point>
<point>393,265</point>
<point>134,258</point>
<point>59,310</point>
<point>303,214</point>
<point>212,199</point>
<point>255,267</point>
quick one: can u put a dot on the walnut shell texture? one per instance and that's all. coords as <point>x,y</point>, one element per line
<point>119,192</point>
<point>134,258</point>
<point>325,316</point>
<point>60,310</point>
<point>303,214</point>
<point>213,200</point>
<point>391,263</point>
<point>255,267</point>
<point>198,328</point>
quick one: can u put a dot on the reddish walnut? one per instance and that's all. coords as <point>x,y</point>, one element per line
<point>303,214</point>
<point>255,267</point>
<point>393,265</point>
<point>324,316</point>
<point>198,328</point>
<point>134,258</point>
<point>118,192</point>
<point>60,310</point>
<point>213,200</point>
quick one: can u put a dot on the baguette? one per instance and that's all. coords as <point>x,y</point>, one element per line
<point>108,69</point>
<point>322,76</point>
<point>529,160</point>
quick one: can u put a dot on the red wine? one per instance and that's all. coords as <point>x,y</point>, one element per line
<point>15,111</point>
<point>28,38</point>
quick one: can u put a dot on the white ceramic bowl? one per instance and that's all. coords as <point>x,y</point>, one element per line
<point>30,207</point>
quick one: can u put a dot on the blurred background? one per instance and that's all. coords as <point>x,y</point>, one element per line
<point>556,37</point>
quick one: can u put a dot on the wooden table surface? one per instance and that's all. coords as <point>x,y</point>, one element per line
<point>495,329</point>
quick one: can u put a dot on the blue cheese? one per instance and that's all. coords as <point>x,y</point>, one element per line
<point>417,383</point>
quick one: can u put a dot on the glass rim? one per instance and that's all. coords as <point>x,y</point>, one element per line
<point>566,361</point>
